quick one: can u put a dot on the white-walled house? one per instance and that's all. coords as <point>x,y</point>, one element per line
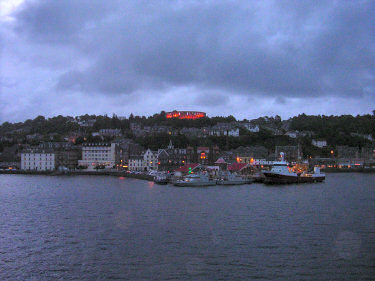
<point>100,154</point>
<point>136,163</point>
<point>150,160</point>
<point>144,162</point>
<point>292,134</point>
<point>319,143</point>
<point>232,132</point>
<point>38,160</point>
<point>254,128</point>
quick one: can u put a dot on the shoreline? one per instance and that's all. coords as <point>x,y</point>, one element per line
<point>147,177</point>
<point>348,170</point>
<point>80,173</point>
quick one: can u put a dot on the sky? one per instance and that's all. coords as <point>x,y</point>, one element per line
<point>242,58</point>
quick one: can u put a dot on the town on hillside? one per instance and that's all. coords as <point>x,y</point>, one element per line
<point>171,140</point>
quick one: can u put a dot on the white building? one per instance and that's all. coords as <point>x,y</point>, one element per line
<point>254,128</point>
<point>94,155</point>
<point>87,123</point>
<point>319,143</point>
<point>38,161</point>
<point>136,163</point>
<point>232,132</point>
<point>150,160</point>
<point>110,132</point>
<point>144,162</point>
<point>292,134</point>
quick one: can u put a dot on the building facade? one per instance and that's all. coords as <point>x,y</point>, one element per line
<point>38,160</point>
<point>98,155</point>
<point>150,160</point>
<point>171,158</point>
<point>136,163</point>
<point>68,159</point>
<point>292,153</point>
<point>319,143</point>
<point>143,162</point>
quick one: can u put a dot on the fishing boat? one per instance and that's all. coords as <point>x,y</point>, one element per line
<point>232,179</point>
<point>161,179</point>
<point>280,173</point>
<point>195,180</point>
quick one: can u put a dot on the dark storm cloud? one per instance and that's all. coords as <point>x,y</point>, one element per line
<point>268,48</point>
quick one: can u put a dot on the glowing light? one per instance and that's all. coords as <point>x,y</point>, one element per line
<point>185,114</point>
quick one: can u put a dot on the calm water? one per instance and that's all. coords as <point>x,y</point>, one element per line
<point>100,228</point>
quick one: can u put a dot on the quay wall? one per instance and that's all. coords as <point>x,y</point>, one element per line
<point>348,170</point>
<point>76,173</point>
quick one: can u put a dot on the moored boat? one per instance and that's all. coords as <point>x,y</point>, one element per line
<point>161,179</point>
<point>232,179</point>
<point>195,180</point>
<point>281,174</point>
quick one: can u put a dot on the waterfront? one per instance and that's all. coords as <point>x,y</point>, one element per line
<point>99,228</point>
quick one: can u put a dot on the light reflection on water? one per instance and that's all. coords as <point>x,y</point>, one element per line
<point>98,228</point>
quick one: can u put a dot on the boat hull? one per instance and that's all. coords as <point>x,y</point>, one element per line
<point>162,182</point>
<point>232,182</point>
<point>194,184</point>
<point>275,178</point>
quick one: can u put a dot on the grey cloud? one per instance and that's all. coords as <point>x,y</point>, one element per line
<point>60,21</point>
<point>210,99</point>
<point>268,48</point>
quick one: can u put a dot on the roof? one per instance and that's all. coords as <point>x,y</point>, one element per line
<point>220,161</point>
<point>237,166</point>
<point>186,167</point>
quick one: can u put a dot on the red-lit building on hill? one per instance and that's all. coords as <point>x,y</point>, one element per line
<point>185,114</point>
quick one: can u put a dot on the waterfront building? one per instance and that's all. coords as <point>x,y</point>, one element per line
<point>98,155</point>
<point>145,161</point>
<point>38,160</point>
<point>68,158</point>
<point>126,148</point>
<point>250,154</point>
<point>347,152</point>
<point>136,163</point>
<point>368,153</point>
<point>240,168</point>
<point>150,160</point>
<point>189,168</point>
<point>169,158</point>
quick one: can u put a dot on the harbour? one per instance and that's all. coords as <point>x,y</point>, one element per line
<point>100,228</point>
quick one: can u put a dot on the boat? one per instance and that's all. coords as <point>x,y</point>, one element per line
<point>233,179</point>
<point>161,179</point>
<point>281,174</point>
<point>195,180</point>
<point>258,177</point>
